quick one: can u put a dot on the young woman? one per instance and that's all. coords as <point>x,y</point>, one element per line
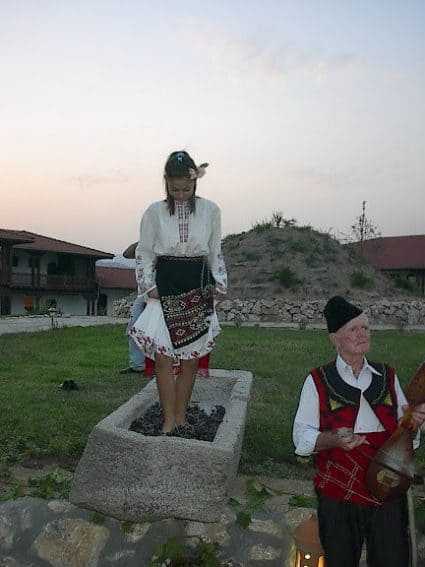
<point>180,268</point>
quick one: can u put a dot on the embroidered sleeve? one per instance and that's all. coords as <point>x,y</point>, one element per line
<point>145,257</point>
<point>216,258</point>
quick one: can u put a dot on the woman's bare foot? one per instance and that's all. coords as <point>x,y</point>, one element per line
<point>167,427</point>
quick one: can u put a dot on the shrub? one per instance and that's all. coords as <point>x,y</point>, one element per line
<point>329,246</point>
<point>305,228</point>
<point>312,261</point>
<point>353,254</point>
<point>262,226</point>
<point>361,280</point>
<point>289,223</point>
<point>250,256</point>
<point>287,278</point>
<point>273,241</point>
<point>404,282</point>
<point>299,246</point>
<point>233,238</point>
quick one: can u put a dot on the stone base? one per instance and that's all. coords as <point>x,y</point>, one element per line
<point>134,477</point>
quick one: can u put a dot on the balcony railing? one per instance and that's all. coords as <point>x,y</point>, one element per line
<point>50,282</point>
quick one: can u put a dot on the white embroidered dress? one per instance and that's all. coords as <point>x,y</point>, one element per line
<point>182,234</point>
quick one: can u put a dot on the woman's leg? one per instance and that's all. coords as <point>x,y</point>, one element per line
<point>203,366</point>
<point>184,388</point>
<point>166,389</point>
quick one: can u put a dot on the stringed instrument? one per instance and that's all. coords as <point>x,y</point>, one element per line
<point>391,470</point>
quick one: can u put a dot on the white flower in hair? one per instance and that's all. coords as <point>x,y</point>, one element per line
<point>198,172</point>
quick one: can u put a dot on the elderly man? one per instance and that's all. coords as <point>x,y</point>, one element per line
<point>347,410</point>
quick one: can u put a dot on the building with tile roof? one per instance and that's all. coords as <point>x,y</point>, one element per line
<point>38,271</point>
<point>114,283</point>
<point>402,256</point>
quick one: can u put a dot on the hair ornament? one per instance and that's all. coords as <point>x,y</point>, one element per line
<point>199,172</point>
<point>180,157</point>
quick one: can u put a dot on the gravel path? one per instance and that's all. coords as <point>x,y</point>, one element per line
<point>30,324</point>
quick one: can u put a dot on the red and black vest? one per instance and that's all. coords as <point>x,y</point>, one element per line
<point>341,474</point>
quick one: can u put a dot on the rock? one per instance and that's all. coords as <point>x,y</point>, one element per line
<point>121,557</point>
<point>225,305</point>
<point>7,532</point>
<point>9,562</point>
<point>139,531</point>
<point>71,543</point>
<point>263,553</point>
<point>61,506</point>
<point>266,527</point>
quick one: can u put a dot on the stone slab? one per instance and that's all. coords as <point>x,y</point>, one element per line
<point>134,477</point>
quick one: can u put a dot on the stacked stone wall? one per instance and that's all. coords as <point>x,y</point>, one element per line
<point>381,312</point>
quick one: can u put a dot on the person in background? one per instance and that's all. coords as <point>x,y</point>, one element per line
<point>348,408</point>
<point>138,363</point>
<point>180,268</point>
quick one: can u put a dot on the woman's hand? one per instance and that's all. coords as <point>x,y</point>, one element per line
<point>417,415</point>
<point>153,293</point>
<point>218,296</point>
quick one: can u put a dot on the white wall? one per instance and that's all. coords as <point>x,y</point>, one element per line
<point>17,304</point>
<point>71,304</point>
<point>24,256</point>
<point>23,259</point>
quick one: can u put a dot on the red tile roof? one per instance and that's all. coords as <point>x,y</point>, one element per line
<point>120,278</point>
<point>35,241</point>
<point>14,236</point>
<point>395,252</point>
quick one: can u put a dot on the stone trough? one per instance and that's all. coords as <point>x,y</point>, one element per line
<point>135,477</point>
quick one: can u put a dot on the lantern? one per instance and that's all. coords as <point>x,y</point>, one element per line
<point>53,314</point>
<point>28,303</point>
<point>309,549</point>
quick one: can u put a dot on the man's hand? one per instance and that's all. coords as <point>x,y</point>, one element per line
<point>347,440</point>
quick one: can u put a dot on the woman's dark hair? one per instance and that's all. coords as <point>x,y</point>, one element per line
<point>178,165</point>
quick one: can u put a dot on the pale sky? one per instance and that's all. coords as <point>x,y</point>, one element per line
<point>304,107</point>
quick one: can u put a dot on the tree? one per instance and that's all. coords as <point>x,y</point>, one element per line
<point>363,228</point>
<point>277,218</point>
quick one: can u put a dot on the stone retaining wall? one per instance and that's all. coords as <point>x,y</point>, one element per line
<point>381,312</point>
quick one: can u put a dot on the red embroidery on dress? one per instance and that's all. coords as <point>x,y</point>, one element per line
<point>183,218</point>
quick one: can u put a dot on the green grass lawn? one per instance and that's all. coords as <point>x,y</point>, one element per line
<point>36,417</point>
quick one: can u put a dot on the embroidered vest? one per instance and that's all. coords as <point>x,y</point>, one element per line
<point>341,474</point>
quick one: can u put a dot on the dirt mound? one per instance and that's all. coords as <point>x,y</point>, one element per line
<point>299,262</point>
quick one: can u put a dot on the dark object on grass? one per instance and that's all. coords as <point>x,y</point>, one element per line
<point>418,479</point>
<point>199,424</point>
<point>68,385</point>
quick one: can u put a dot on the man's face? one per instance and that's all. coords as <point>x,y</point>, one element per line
<point>353,339</point>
